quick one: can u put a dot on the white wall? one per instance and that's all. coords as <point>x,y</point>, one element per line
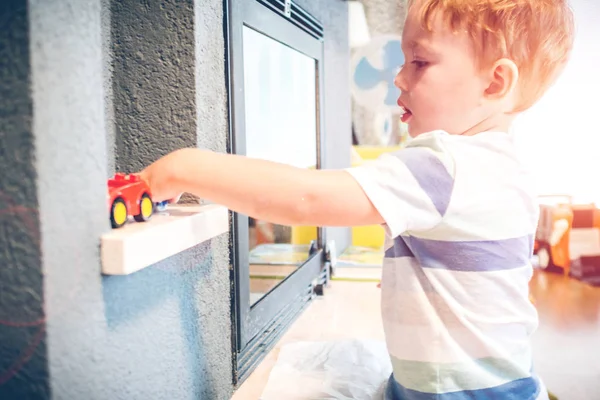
<point>560,136</point>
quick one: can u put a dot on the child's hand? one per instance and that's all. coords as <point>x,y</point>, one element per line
<point>159,178</point>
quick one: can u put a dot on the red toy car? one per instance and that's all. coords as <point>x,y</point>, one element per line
<point>128,195</point>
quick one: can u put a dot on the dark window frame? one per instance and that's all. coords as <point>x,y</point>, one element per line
<point>256,328</point>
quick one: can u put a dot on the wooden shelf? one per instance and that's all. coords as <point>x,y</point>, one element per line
<point>140,244</point>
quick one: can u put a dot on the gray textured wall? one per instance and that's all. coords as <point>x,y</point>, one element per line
<point>115,85</point>
<point>159,50</point>
<point>153,80</point>
<point>163,332</point>
<point>212,126</point>
<point>333,15</point>
<point>23,350</point>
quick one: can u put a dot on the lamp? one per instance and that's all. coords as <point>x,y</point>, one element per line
<point>358,30</point>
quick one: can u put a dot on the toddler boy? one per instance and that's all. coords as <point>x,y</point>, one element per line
<point>457,204</point>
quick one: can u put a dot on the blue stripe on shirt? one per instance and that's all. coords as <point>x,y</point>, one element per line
<point>431,174</point>
<point>519,389</point>
<point>487,255</point>
<point>399,249</point>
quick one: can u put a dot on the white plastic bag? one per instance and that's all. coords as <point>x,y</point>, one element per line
<point>339,370</point>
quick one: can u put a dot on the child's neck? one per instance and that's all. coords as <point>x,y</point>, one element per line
<point>494,123</point>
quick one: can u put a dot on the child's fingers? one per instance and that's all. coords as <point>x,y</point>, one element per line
<point>175,199</point>
<point>159,186</point>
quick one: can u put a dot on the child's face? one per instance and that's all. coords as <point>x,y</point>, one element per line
<point>441,85</point>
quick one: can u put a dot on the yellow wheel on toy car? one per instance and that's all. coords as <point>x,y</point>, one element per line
<point>118,213</point>
<point>146,208</point>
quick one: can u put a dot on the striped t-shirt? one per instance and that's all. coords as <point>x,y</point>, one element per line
<point>460,218</point>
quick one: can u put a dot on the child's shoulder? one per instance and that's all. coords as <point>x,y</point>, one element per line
<point>483,148</point>
<point>433,140</point>
<point>438,138</point>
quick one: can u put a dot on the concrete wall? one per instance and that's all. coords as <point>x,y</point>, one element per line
<point>23,347</point>
<point>90,87</point>
<point>163,332</point>
<point>159,49</point>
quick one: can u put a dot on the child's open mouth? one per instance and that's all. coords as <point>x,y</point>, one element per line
<point>406,115</point>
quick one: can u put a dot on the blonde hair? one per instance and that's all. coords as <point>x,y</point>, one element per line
<point>537,35</point>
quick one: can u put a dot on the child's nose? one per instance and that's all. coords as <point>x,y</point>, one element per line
<point>399,80</point>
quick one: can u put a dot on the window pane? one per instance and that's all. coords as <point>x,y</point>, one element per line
<point>281,126</point>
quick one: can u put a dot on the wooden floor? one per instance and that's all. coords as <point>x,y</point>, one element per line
<point>349,310</point>
<point>566,344</point>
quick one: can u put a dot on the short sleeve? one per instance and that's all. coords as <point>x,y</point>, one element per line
<point>411,188</point>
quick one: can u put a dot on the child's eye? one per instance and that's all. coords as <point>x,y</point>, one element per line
<point>420,64</point>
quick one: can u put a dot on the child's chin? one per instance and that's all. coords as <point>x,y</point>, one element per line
<point>416,130</point>
<point>413,131</point>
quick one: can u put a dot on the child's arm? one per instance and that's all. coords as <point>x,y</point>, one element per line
<point>262,189</point>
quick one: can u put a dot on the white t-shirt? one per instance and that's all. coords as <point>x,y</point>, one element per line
<point>460,217</point>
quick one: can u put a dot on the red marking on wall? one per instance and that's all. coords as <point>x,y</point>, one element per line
<point>23,358</point>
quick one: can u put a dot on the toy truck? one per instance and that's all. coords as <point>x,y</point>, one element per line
<point>129,195</point>
<point>568,239</point>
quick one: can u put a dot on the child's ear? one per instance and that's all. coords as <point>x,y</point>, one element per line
<point>503,79</point>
